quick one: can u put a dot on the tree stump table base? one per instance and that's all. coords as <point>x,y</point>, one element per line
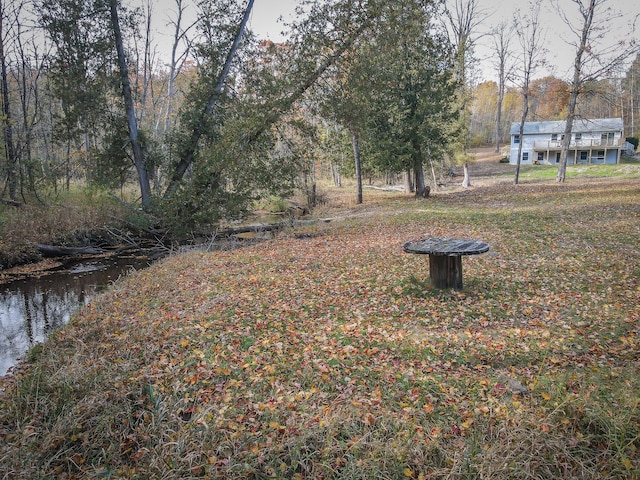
<point>445,258</point>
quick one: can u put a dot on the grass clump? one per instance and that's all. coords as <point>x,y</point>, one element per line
<point>329,356</point>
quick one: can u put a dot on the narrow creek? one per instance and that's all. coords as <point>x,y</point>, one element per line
<point>32,308</point>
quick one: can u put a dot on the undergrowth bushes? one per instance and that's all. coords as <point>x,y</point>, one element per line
<point>63,220</point>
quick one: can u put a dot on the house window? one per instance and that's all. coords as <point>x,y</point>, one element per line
<point>525,156</point>
<point>578,137</point>
<point>554,137</point>
<point>599,157</point>
<point>584,157</point>
<point>607,139</point>
<point>540,157</point>
<point>516,139</point>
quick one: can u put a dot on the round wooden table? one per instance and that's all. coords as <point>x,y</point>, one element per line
<point>445,258</point>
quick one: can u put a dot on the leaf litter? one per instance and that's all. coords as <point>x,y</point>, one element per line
<point>330,355</point>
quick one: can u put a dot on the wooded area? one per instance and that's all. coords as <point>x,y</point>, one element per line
<point>358,89</point>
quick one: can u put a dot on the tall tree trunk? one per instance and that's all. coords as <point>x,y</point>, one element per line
<point>502,40</point>
<point>499,108</point>
<point>587,13</point>
<point>433,173</point>
<point>419,182</point>
<point>356,155</point>
<point>525,111</point>
<point>189,155</point>
<point>335,171</point>
<point>530,41</point>
<point>174,68</point>
<point>408,181</point>
<point>7,129</point>
<point>466,182</point>
<point>138,158</point>
<point>523,119</point>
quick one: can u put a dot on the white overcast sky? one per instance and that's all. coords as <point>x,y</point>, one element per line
<point>264,22</point>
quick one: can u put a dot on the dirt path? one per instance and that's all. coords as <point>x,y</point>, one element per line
<point>487,169</point>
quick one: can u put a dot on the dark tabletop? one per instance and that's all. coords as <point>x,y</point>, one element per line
<point>446,246</point>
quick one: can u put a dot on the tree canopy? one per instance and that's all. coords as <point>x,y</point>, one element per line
<point>232,118</point>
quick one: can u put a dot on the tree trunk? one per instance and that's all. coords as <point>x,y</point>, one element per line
<point>337,179</point>
<point>58,251</point>
<point>138,159</point>
<point>7,122</point>
<point>189,155</point>
<point>525,111</point>
<point>419,182</point>
<point>408,182</point>
<point>502,42</point>
<point>516,178</point>
<point>499,108</point>
<point>433,174</point>
<point>575,88</point>
<point>174,68</point>
<point>530,42</point>
<point>356,155</point>
<point>466,182</point>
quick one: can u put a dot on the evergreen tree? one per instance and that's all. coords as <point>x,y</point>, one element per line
<point>412,113</point>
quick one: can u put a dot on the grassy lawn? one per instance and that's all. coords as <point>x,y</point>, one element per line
<point>548,172</point>
<point>328,355</point>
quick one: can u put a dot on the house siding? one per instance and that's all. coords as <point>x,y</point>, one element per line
<point>594,141</point>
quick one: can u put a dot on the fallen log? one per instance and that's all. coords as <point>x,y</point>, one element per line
<point>268,227</point>
<point>58,251</point>
<point>255,227</point>
<point>389,188</point>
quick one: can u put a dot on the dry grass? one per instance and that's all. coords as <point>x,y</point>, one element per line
<point>64,219</point>
<point>328,355</point>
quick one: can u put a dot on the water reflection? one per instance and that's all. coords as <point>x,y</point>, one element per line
<point>31,309</point>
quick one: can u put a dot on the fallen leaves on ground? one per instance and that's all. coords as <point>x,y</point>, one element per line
<point>330,356</point>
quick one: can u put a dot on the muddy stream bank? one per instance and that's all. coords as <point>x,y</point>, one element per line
<point>34,306</point>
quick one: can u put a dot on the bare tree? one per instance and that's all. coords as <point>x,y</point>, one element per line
<point>529,33</point>
<point>30,66</point>
<point>630,87</point>
<point>138,159</point>
<point>143,91</point>
<point>464,17</point>
<point>355,141</point>
<point>589,63</point>
<point>7,119</point>
<point>177,59</point>
<point>502,37</point>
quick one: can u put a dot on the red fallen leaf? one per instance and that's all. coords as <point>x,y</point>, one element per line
<point>499,388</point>
<point>455,430</point>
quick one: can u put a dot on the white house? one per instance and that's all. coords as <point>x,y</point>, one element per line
<point>592,141</point>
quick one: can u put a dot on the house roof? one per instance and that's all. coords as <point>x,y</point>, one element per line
<point>579,126</point>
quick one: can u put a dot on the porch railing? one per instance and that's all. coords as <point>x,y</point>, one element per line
<point>578,144</point>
